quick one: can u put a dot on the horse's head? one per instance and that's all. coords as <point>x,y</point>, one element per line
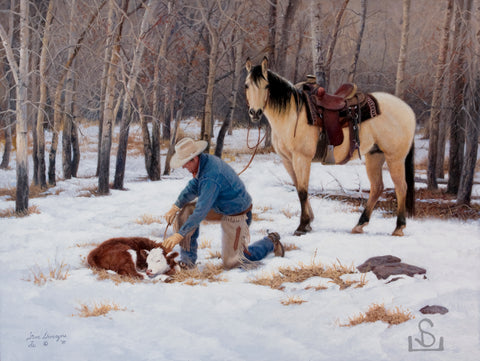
<point>256,89</point>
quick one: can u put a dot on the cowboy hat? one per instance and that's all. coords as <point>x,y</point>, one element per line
<point>185,150</point>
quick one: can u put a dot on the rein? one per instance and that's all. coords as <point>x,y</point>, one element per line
<point>254,147</point>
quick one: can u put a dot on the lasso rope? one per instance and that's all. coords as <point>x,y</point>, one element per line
<point>254,147</point>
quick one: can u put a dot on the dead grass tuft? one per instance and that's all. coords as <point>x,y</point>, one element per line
<point>54,272</point>
<point>205,243</point>
<point>377,312</point>
<point>294,300</point>
<point>10,212</point>
<point>96,310</point>
<point>146,219</point>
<point>303,272</point>
<point>290,247</point>
<point>103,274</point>
<point>194,276</point>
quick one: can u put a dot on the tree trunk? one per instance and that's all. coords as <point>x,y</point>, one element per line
<point>108,111</point>
<point>472,105</point>
<point>41,175</point>
<point>402,56</point>
<point>457,115</point>
<point>353,68</point>
<point>272,32</point>
<point>20,74</point>
<point>238,50</point>
<point>67,118</point>
<point>57,107</point>
<point>436,101</point>
<point>283,44</point>
<point>10,88</point>
<point>129,97</point>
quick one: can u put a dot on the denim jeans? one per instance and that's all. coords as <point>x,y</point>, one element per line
<point>256,251</point>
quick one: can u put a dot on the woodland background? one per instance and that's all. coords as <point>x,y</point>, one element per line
<point>158,62</point>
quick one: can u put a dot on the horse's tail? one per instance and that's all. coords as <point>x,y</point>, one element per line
<point>410,178</point>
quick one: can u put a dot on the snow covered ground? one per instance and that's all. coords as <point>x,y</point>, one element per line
<point>234,319</point>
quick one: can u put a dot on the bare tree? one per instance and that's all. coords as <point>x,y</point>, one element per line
<point>402,56</point>
<point>472,128</point>
<point>127,111</point>
<point>353,67</point>
<point>109,113</point>
<point>436,100</point>
<point>20,74</point>
<point>284,35</point>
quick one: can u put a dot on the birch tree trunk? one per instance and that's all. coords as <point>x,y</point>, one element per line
<point>67,118</point>
<point>129,97</point>
<point>20,74</point>
<point>457,120</point>
<point>283,44</point>
<point>402,56</point>
<point>436,100</point>
<point>317,43</point>
<point>42,180</point>
<point>9,89</point>
<point>108,111</point>
<point>353,68</point>
<point>472,98</point>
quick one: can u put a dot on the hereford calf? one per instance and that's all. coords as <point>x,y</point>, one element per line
<point>116,254</point>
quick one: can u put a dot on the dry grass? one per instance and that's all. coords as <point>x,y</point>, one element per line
<point>214,254</point>
<point>54,272</point>
<point>146,219</point>
<point>428,204</point>
<point>10,212</point>
<point>294,300</point>
<point>205,243</point>
<point>290,247</point>
<point>96,310</point>
<point>306,271</point>
<point>103,274</point>
<point>377,312</point>
<point>194,276</point>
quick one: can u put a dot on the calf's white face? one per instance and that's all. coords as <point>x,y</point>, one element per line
<point>156,262</point>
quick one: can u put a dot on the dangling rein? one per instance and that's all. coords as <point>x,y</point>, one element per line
<point>254,147</point>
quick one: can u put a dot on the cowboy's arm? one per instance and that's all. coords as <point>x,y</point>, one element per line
<point>206,198</point>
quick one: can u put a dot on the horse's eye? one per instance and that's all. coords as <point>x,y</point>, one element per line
<point>267,86</point>
<point>246,86</point>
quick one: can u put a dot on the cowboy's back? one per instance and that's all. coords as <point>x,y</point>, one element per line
<point>217,187</point>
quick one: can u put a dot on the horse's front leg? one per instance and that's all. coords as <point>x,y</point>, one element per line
<point>301,168</point>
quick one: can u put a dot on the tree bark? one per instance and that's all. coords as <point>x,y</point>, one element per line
<point>109,114</point>
<point>20,74</point>
<point>436,101</point>
<point>353,68</point>
<point>129,97</point>
<point>472,129</point>
<point>402,56</point>
<point>457,115</point>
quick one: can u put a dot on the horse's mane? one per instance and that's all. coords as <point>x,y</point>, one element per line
<point>280,90</point>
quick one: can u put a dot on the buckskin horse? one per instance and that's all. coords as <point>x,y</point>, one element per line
<point>387,135</point>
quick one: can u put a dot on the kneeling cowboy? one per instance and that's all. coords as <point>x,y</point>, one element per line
<point>217,187</point>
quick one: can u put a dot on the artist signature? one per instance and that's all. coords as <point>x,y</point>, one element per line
<point>45,339</point>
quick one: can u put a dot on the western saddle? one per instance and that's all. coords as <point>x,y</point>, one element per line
<point>347,107</point>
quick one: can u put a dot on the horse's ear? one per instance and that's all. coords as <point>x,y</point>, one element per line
<point>265,67</point>
<point>248,65</point>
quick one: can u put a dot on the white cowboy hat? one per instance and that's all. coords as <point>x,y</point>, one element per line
<point>185,150</point>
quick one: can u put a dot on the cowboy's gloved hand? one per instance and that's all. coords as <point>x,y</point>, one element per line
<point>170,215</point>
<point>172,241</point>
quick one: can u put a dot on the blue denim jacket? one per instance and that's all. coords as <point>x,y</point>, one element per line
<point>217,187</point>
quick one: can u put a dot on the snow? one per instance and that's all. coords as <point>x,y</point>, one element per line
<point>234,319</point>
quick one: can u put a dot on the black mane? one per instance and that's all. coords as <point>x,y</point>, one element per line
<point>280,90</point>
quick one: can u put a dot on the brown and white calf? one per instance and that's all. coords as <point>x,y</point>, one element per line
<point>118,254</point>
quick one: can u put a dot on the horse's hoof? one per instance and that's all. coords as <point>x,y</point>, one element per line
<point>398,232</point>
<point>301,230</point>
<point>358,228</point>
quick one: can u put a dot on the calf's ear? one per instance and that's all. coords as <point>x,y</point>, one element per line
<point>172,255</point>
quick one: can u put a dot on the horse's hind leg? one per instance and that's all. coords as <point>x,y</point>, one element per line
<point>301,167</point>
<point>374,163</point>
<point>397,172</point>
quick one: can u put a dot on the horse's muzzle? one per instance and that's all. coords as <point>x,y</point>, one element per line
<point>255,115</point>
